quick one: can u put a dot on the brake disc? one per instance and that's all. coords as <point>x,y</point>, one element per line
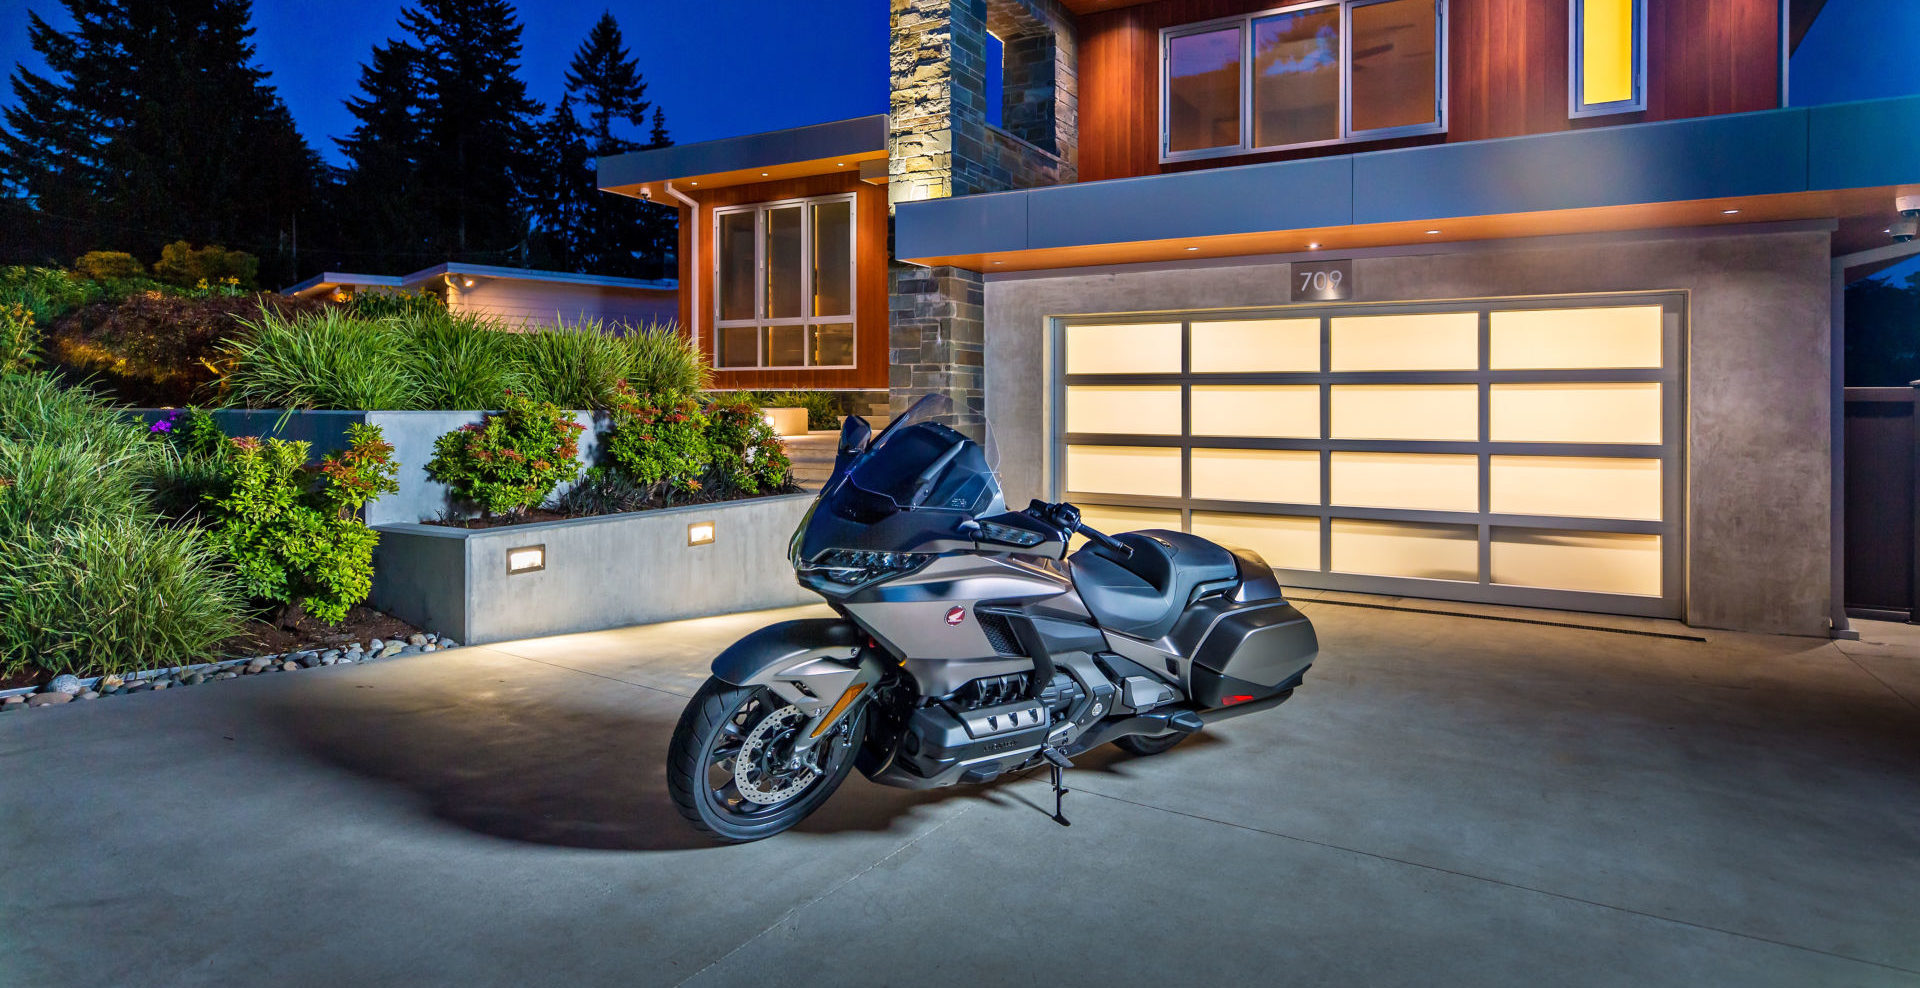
<point>758,773</point>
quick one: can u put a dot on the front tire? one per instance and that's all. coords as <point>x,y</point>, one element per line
<point>726,736</point>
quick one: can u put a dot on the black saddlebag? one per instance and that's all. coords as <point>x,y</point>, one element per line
<point>1244,651</point>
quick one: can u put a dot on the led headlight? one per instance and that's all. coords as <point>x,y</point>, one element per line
<point>860,566</point>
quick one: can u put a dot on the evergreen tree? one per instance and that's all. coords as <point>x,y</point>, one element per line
<point>153,125</point>
<point>605,77</point>
<point>381,211</point>
<point>658,137</point>
<point>563,209</point>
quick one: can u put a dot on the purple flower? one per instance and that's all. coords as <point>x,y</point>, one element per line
<point>164,425</point>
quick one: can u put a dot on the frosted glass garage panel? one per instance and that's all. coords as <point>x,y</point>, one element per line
<point>1395,548</point>
<point>1575,486</point>
<point>1273,411</point>
<point>1421,341</point>
<point>1113,520</point>
<point>1144,470</point>
<point>1529,339</point>
<point>1256,346</point>
<point>1406,411</point>
<point>1124,410</point>
<point>1124,348</point>
<point>1282,476</point>
<point>1596,562</point>
<point>1575,413</point>
<point>1414,481</point>
<point>1284,541</point>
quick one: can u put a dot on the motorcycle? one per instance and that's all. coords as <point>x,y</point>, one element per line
<point>969,641</point>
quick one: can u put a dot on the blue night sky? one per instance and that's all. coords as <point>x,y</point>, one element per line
<point>718,69</point>
<point>741,66</point>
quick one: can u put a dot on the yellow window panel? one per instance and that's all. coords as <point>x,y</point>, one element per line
<point>1610,337</point>
<point>1285,411</point>
<point>1596,562</point>
<point>1606,51</point>
<point>1575,486</point>
<point>1249,346</point>
<point>1133,411</point>
<point>1143,470</point>
<point>1416,481</point>
<point>1113,519</point>
<point>1420,341</point>
<point>1624,412</point>
<point>1284,541</point>
<point>1283,476</point>
<point>1395,548</point>
<point>1124,348</point>
<point>1406,411</point>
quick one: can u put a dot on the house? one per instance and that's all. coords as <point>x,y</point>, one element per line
<point>517,296</point>
<point>1525,302</point>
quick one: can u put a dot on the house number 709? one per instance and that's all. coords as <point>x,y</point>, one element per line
<point>1322,281</point>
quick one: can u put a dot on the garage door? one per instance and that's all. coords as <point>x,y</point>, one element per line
<point>1523,451</point>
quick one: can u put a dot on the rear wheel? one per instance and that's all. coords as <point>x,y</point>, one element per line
<point>1140,744</point>
<point>730,768</point>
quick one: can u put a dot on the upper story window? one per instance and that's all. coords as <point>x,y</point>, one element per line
<point>1608,55</point>
<point>1300,76</point>
<point>783,276</point>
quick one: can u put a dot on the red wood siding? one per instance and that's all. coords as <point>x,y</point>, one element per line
<point>1506,73</point>
<point>870,288</point>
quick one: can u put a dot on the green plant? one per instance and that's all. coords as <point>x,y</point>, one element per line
<point>462,361</point>
<point>48,292</point>
<point>747,457</point>
<point>19,338</point>
<point>106,265</point>
<point>573,366</point>
<point>824,408</point>
<point>181,264</point>
<point>511,460</point>
<point>404,305</point>
<point>662,360</point>
<point>294,535</point>
<point>601,491</point>
<point>113,595</point>
<point>660,441</point>
<point>325,359</point>
<point>159,348</point>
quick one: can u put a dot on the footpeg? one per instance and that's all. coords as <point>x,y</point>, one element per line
<point>1058,763</point>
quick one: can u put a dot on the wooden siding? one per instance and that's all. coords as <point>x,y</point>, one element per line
<point>540,303</point>
<point>870,281</point>
<point>1506,73</point>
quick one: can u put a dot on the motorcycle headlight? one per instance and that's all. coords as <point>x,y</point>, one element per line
<point>856,567</point>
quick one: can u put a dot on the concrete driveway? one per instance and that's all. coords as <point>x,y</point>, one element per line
<point>1448,801</point>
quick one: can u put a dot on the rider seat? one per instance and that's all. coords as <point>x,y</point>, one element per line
<point>1142,595</point>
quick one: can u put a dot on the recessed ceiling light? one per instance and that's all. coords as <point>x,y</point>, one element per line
<point>1313,246</point>
<point>1728,212</point>
<point>999,262</point>
<point>1193,248</point>
<point>1432,232</point>
<point>839,164</point>
<point>763,174</point>
<point>695,183</point>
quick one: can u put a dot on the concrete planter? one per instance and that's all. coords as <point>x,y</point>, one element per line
<point>786,421</point>
<point>601,572</point>
<point>411,433</point>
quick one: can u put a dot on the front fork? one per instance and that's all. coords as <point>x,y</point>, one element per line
<point>828,690</point>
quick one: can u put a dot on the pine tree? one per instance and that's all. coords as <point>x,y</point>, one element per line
<point>658,137</point>
<point>381,211</point>
<point>605,77</point>
<point>562,210</point>
<point>153,125</point>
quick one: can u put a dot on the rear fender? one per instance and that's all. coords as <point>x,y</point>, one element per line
<point>811,664</point>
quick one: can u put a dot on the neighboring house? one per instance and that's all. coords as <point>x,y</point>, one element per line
<point>1509,301</point>
<point>517,296</point>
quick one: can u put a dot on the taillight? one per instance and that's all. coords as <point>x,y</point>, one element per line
<point>1236,698</point>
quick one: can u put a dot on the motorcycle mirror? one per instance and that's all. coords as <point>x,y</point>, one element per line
<point>854,434</point>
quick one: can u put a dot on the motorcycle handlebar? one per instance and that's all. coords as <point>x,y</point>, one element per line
<point>1106,541</point>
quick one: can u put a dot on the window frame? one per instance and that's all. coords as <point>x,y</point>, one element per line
<point>810,272</point>
<point>1347,134</point>
<point>1576,60</point>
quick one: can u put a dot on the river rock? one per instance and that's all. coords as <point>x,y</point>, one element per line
<point>13,701</point>
<point>392,649</point>
<point>449,643</point>
<point>416,639</point>
<point>289,666</point>
<point>160,684</point>
<point>48,699</point>
<point>65,683</point>
<point>87,695</point>
<point>110,681</point>
<point>310,659</point>
<point>374,646</point>
<point>258,664</point>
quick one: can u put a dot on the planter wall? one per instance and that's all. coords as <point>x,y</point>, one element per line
<point>411,433</point>
<point>602,572</point>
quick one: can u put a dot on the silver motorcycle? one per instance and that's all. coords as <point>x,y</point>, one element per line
<point>969,642</point>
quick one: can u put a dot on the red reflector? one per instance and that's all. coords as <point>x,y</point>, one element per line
<point>1237,698</point>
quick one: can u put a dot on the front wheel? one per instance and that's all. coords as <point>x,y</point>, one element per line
<point>729,769</point>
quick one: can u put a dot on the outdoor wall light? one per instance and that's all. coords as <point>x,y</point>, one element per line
<point>526,559</point>
<point>700,533</point>
<point>466,282</point>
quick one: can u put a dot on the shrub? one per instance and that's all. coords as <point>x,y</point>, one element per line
<point>824,408</point>
<point>747,457</point>
<point>107,265</point>
<point>510,461</point>
<point>462,361</point>
<point>326,359</point>
<point>660,441</point>
<point>181,264</point>
<point>19,338</point>
<point>156,349</point>
<point>294,535</point>
<point>662,360</point>
<point>65,456</point>
<point>601,491</point>
<point>422,304</point>
<point>113,595</point>
<point>577,366</point>
<point>48,292</point>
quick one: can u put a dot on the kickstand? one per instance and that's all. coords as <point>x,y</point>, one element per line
<point>1058,763</point>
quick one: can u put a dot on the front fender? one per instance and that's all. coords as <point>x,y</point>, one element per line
<point>756,659</point>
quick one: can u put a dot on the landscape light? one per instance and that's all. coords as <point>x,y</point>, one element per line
<point>700,533</point>
<point>526,559</point>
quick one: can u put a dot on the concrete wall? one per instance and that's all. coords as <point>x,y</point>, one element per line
<point>540,303</point>
<point>1759,479</point>
<point>604,572</point>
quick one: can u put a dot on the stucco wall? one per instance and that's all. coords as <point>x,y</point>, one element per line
<point>537,303</point>
<point>1759,476</point>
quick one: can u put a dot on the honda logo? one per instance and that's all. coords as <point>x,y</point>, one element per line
<point>955,616</point>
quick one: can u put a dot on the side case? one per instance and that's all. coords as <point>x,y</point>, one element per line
<point>1249,643</point>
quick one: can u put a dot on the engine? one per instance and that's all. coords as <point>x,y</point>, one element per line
<point>986,727</point>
